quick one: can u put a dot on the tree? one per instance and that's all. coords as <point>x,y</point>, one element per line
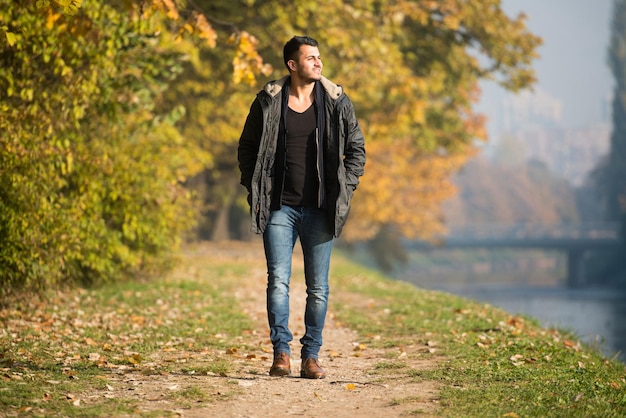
<point>501,193</point>
<point>108,109</point>
<point>216,101</point>
<point>92,166</point>
<point>411,69</point>
<point>609,176</point>
<point>615,175</point>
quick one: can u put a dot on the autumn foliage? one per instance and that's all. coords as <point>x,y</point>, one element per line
<point>120,119</point>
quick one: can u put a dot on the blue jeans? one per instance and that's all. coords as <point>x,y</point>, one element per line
<point>284,227</point>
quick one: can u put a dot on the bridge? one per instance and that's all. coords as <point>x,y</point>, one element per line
<point>574,239</point>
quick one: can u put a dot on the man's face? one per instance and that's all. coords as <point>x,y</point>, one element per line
<point>308,65</point>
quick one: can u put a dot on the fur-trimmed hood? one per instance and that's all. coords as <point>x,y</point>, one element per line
<point>275,87</point>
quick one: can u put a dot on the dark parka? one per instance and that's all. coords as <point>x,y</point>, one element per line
<point>343,153</point>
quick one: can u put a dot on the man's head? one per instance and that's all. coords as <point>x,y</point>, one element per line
<point>292,47</point>
<point>302,59</point>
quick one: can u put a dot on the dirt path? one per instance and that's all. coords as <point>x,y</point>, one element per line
<point>353,386</point>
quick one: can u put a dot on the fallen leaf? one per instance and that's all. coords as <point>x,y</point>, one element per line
<point>134,358</point>
<point>515,322</point>
<point>571,344</point>
<point>350,386</point>
<point>360,347</point>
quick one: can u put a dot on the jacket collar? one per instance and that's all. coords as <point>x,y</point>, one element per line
<point>273,88</point>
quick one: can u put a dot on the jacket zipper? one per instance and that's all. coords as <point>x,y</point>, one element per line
<point>318,169</point>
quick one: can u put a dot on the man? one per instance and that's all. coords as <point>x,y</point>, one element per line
<point>301,154</point>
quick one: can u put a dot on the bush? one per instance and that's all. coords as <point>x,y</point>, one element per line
<point>91,174</point>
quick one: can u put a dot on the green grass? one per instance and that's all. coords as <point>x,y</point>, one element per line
<point>491,363</point>
<point>55,353</point>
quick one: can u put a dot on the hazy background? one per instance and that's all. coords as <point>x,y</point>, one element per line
<point>535,170</point>
<point>557,132</point>
<point>573,66</point>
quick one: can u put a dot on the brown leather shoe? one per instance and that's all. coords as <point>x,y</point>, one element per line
<point>311,369</point>
<point>281,365</point>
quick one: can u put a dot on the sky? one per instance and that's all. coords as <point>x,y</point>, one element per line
<point>573,64</point>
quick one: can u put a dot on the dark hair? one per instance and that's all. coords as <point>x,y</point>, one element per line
<point>293,46</point>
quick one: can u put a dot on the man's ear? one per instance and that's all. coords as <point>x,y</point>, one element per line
<point>292,65</point>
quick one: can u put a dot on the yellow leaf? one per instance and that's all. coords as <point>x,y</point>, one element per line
<point>134,358</point>
<point>11,38</point>
<point>350,386</point>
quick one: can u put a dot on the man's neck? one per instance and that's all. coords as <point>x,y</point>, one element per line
<point>300,94</point>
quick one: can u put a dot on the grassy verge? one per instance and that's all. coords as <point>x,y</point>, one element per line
<point>60,356</point>
<point>492,363</point>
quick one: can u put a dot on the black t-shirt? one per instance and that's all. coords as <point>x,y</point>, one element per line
<point>301,172</point>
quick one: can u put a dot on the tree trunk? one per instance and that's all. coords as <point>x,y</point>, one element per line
<point>221,230</point>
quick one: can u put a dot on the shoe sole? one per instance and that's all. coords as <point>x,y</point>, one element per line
<point>279,372</point>
<point>306,376</point>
